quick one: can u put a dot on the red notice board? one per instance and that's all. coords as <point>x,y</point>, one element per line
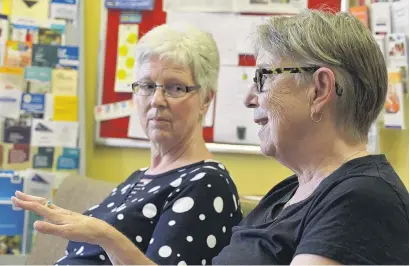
<point>118,128</point>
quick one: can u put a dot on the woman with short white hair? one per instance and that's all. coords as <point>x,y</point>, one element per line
<point>320,83</point>
<point>181,209</point>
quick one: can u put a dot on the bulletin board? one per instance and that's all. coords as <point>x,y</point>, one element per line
<point>114,132</point>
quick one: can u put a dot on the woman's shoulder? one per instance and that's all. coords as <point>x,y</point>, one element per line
<point>374,183</point>
<point>207,171</point>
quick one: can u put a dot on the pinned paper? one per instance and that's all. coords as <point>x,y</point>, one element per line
<point>46,133</point>
<point>18,54</point>
<point>114,110</point>
<point>17,131</point>
<point>33,103</point>
<point>17,156</point>
<point>397,53</point>
<point>43,157</point>
<point>67,159</point>
<point>394,105</point>
<point>10,103</point>
<point>38,79</point>
<point>64,82</point>
<point>33,9</point>
<point>65,108</point>
<point>12,78</point>
<point>134,126</point>
<point>127,41</point>
<point>64,9</point>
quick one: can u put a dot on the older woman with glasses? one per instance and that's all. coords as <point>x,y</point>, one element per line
<point>320,83</point>
<point>181,209</point>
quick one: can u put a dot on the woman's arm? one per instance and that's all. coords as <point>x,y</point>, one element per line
<point>81,228</point>
<point>121,250</point>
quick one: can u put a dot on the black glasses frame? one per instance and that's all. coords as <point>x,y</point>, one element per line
<point>260,72</point>
<point>188,89</point>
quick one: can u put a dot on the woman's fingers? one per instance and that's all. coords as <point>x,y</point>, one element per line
<point>37,208</point>
<point>26,197</point>
<point>48,228</point>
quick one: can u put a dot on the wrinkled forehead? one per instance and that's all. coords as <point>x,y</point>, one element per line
<point>155,66</point>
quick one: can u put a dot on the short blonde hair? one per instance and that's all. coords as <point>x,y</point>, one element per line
<point>342,43</point>
<point>186,45</point>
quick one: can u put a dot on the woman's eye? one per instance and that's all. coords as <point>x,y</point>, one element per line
<point>149,86</point>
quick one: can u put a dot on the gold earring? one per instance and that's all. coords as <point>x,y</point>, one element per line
<point>314,113</point>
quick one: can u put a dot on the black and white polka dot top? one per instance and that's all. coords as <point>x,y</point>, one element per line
<point>183,216</point>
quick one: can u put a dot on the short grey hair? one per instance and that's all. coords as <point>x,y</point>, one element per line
<point>183,44</point>
<point>342,43</point>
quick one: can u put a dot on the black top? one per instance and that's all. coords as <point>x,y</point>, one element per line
<point>357,215</point>
<point>184,216</point>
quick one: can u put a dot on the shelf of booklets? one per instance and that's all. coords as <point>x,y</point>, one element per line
<point>32,34</point>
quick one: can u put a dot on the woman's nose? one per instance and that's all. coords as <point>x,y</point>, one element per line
<point>158,98</point>
<point>251,98</point>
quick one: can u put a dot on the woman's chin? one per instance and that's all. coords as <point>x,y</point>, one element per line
<point>267,147</point>
<point>160,137</point>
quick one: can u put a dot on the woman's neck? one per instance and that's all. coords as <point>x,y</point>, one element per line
<point>321,163</point>
<point>187,151</point>
<point>313,163</point>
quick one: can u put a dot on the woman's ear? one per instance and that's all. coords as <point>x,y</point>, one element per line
<point>324,82</point>
<point>209,96</point>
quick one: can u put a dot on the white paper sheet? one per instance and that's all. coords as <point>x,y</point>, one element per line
<point>46,133</point>
<point>209,117</point>
<point>10,101</point>
<point>198,5</point>
<point>233,121</point>
<point>373,145</point>
<point>66,10</point>
<point>400,16</point>
<point>381,41</point>
<point>221,26</point>
<point>134,127</point>
<point>380,18</point>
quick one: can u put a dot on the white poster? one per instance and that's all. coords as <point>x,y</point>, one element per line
<point>394,105</point>
<point>64,9</point>
<point>380,18</point>
<point>400,16</point>
<point>233,121</point>
<point>209,116</point>
<point>10,101</point>
<point>222,27</point>
<point>127,41</point>
<point>134,127</point>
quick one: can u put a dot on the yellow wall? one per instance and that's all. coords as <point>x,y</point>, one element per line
<point>252,174</point>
